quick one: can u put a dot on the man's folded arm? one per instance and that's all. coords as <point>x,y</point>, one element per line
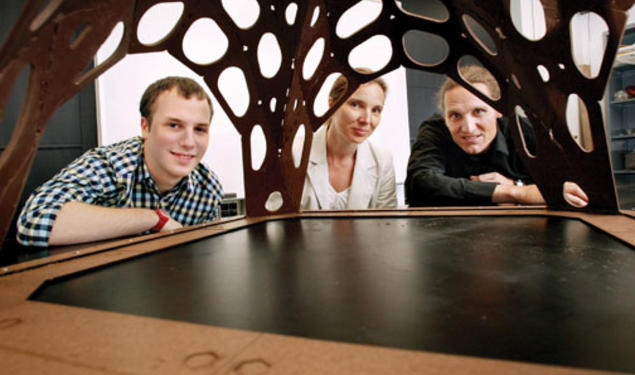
<point>80,222</point>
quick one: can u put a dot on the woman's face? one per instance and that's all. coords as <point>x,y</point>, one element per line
<point>360,114</point>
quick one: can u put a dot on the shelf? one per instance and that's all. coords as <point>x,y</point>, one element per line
<point>621,137</point>
<point>620,113</point>
<point>622,66</point>
<point>623,102</point>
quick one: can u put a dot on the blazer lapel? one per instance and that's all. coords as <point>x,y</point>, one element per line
<point>317,170</point>
<point>364,178</point>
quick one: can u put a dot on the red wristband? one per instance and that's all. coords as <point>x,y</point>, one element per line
<point>163,218</point>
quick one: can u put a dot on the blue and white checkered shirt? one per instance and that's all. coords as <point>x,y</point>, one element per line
<point>116,176</point>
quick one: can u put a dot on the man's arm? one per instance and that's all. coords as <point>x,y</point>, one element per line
<point>493,177</point>
<point>79,222</point>
<point>529,194</point>
<point>91,180</point>
<point>507,192</point>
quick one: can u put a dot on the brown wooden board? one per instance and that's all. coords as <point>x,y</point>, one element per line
<point>63,339</point>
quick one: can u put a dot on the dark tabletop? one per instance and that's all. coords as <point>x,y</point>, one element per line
<point>533,289</point>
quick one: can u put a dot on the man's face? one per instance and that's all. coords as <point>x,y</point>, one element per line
<point>471,121</point>
<point>177,138</point>
<point>360,114</point>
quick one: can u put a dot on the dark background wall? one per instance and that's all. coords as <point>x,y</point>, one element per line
<point>423,86</point>
<point>422,97</point>
<point>71,131</point>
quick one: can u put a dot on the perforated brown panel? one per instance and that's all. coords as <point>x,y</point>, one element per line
<point>58,40</point>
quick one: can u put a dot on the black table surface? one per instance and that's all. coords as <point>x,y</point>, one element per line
<point>535,289</point>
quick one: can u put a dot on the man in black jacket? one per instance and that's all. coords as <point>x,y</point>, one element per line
<point>467,157</point>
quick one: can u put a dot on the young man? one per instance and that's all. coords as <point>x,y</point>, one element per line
<point>150,183</point>
<point>467,157</point>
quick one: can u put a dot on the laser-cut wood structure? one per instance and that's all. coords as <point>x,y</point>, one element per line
<point>57,40</point>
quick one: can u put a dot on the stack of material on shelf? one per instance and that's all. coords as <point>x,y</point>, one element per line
<point>626,54</point>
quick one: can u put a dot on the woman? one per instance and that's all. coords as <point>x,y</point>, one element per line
<point>346,171</point>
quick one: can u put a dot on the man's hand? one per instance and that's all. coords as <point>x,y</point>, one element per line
<point>574,195</point>
<point>528,194</point>
<point>493,177</point>
<point>170,225</point>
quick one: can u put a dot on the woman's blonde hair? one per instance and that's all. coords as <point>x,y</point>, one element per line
<point>341,85</point>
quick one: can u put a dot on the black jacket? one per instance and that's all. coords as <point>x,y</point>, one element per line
<point>439,171</point>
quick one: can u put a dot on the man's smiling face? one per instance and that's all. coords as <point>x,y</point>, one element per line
<point>177,138</point>
<point>471,121</point>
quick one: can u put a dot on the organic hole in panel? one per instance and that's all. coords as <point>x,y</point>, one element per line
<point>528,17</point>
<point>202,360</point>
<point>313,58</point>
<point>493,90</point>
<point>357,17</point>
<point>79,35</point>
<point>258,144</point>
<point>272,104</point>
<point>298,145</point>
<point>374,53</point>
<point>47,10</point>
<point>158,22</point>
<point>244,13</point>
<point>424,48</point>
<point>316,15</point>
<point>269,55</point>
<point>274,202</point>
<point>588,45</point>
<point>480,35</point>
<point>526,131</point>
<point>578,122</point>
<point>432,10</point>
<point>84,74</point>
<point>290,13</point>
<point>321,104</point>
<point>204,42</point>
<point>516,81</point>
<point>111,44</point>
<point>233,86</point>
<point>544,73</point>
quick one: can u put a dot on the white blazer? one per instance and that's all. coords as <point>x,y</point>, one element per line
<point>373,184</point>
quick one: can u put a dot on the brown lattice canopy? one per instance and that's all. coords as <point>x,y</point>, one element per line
<point>57,40</point>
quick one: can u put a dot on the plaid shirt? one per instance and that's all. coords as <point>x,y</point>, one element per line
<point>116,176</point>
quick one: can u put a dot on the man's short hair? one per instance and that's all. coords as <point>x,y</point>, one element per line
<point>472,74</point>
<point>186,88</point>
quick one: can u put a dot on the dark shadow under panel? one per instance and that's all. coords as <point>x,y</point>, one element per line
<point>533,289</point>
